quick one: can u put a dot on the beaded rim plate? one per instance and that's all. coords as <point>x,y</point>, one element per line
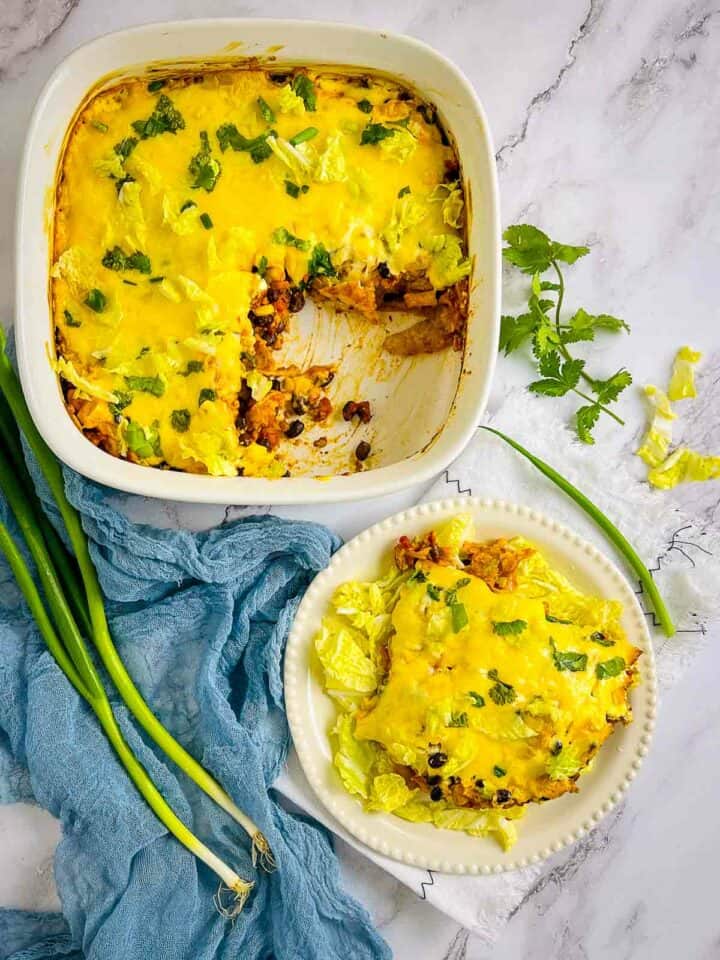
<point>547,827</point>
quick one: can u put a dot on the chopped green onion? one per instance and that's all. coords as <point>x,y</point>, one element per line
<point>96,300</point>
<point>206,221</point>
<point>70,320</point>
<point>292,189</point>
<point>265,110</point>
<point>498,771</point>
<point>99,125</point>
<point>618,540</point>
<point>156,85</point>
<point>459,616</point>
<point>188,205</point>
<point>405,190</point>
<point>307,134</point>
<point>156,279</point>
<point>365,106</point>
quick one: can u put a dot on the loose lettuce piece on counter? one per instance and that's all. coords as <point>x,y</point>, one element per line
<point>447,263</point>
<point>347,668</point>
<point>354,759</point>
<point>682,379</point>
<point>684,466</point>
<point>388,792</point>
<point>656,442</point>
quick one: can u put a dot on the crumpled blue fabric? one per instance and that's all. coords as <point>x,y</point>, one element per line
<point>201,622</point>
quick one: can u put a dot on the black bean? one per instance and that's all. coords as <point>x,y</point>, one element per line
<point>384,270</point>
<point>434,781</point>
<point>295,428</point>
<point>503,796</point>
<point>297,300</point>
<point>362,450</point>
<point>438,759</point>
<point>556,748</point>
<point>436,794</point>
<point>479,783</point>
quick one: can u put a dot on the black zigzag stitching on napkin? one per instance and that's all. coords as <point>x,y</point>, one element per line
<point>457,484</point>
<point>677,545</point>
<point>427,883</point>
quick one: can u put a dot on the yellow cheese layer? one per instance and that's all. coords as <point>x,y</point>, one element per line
<point>164,357</point>
<point>496,704</point>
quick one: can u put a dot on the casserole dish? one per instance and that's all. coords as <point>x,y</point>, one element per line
<point>425,407</point>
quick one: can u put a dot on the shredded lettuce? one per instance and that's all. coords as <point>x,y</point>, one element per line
<point>346,666</point>
<point>299,160</point>
<point>331,164</point>
<point>503,726</point>
<point>656,442</point>
<point>260,385</point>
<point>353,759</point>
<point>206,308</point>
<point>87,388</point>
<point>401,146</point>
<point>682,380</point>
<point>407,213</point>
<point>453,533</point>
<point>290,102</point>
<point>111,165</point>
<point>78,268</point>
<point>132,215</point>
<point>182,222</point>
<point>684,466</point>
<point>447,263</point>
<point>388,792</point>
<point>566,764</point>
<point>451,197</point>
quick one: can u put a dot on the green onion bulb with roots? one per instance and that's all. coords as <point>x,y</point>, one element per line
<point>100,632</point>
<point>78,667</point>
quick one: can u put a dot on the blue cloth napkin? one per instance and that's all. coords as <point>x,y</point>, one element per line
<point>201,622</point>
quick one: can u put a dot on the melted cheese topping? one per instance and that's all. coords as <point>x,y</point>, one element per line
<point>157,366</point>
<point>496,705</point>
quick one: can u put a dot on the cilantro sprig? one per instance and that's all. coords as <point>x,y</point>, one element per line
<point>550,334</point>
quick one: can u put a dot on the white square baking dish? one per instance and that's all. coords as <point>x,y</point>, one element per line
<point>426,408</point>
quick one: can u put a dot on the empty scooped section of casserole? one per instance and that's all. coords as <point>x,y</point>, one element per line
<point>194,216</point>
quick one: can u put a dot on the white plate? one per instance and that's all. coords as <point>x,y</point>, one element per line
<point>547,827</point>
<point>416,431</point>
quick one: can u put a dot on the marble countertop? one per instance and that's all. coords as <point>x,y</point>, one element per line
<point>605,121</point>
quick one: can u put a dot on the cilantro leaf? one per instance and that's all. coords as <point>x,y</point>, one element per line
<point>527,248</point>
<point>610,668</point>
<point>154,385</point>
<point>180,420</point>
<point>568,254</point>
<point>228,136</point>
<point>514,331</point>
<point>557,380</point>
<point>570,660</point>
<point>585,420</point>
<point>500,693</point>
<point>266,111</point>
<point>609,390</point>
<point>320,264</point>
<point>205,394</point>
<point>204,167</point>
<point>192,366</point>
<point>598,637</point>
<point>165,118</point>
<point>506,628</point>
<point>458,720</point>
<point>117,259</point>
<point>374,133</point>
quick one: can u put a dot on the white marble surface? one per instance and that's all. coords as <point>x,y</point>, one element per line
<point>605,119</point>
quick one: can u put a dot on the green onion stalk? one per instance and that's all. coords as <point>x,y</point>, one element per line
<point>73,658</point>
<point>621,542</point>
<point>100,632</point>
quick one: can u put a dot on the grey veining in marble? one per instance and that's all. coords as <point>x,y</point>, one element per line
<point>605,115</point>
